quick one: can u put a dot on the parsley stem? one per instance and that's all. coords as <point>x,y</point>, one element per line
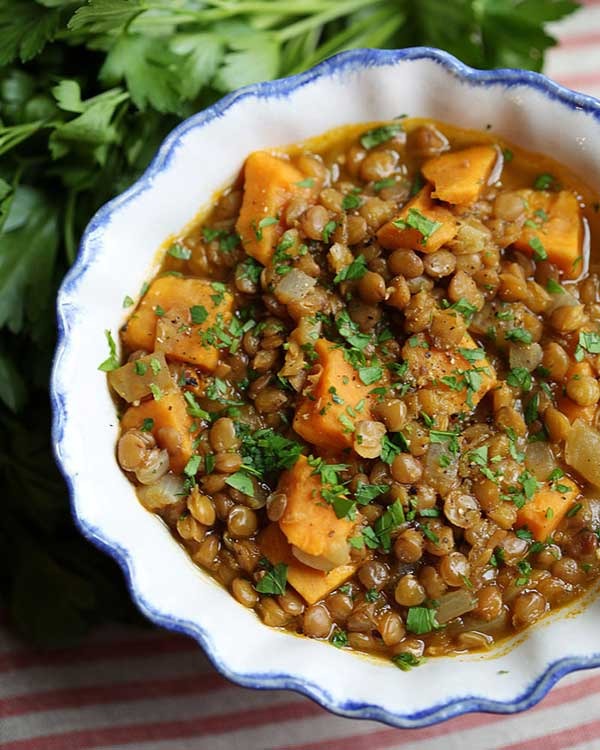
<point>307,24</point>
<point>382,24</point>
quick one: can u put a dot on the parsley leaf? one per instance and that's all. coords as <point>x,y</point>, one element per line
<point>377,136</point>
<point>274,581</point>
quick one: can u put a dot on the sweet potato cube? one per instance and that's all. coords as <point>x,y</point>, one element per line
<point>309,522</point>
<point>421,225</point>
<point>312,585</point>
<point>269,183</point>
<point>554,220</point>
<point>163,319</point>
<point>460,176</point>
<point>171,426</point>
<point>547,508</point>
<point>459,380</point>
<point>329,410</point>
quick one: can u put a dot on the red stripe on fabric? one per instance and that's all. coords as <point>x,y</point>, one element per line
<point>86,739</point>
<point>579,40</point>
<point>385,738</point>
<point>166,643</point>
<point>80,697</point>
<point>559,740</point>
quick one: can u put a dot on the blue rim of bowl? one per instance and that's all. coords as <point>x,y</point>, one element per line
<point>358,59</point>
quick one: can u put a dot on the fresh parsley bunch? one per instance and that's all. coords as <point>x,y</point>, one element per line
<point>87,92</point>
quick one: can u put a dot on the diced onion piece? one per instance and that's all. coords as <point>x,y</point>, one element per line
<point>540,460</point>
<point>561,299</point>
<point>367,438</point>
<point>441,467</point>
<point>294,286</point>
<point>167,491</point>
<point>132,381</point>
<point>582,451</point>
<point>528,357</point>
<point>454,604</point>
<point>319,562</point>
<point>339,256</point>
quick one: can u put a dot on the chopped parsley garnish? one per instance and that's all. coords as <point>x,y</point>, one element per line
<point>447,438</point>
<point>525,569</point>
<point>574,509</point>
<point>389,521</point>
<point>308,182</point>
<point>519,335</point>
<point>356,270</point>
<point>339,638</point>
<point>539,251</point>
<point>472,355</point>
<point>266,451</point>
<point>198,314</point>
<point>193,408</point>
<point>545,181</point>
<point>370,375</point>
<point>519,377</point>
<point>464,307</point>
<point>391,445</point>
<point>266,222</point>
<point>416,220</point>
<point>421,620</point>
<point>140,368</point>
<point>192,466</point>
<point>351,200</point>
<point>273,582</point>
<point>377,136</point>
<point>554,287</point>
<point>531,411</point>
<point>159,311</point>
<point>507,154</point>
<point>350,331</point>
<point>241,481</point>
<point>406,661</point>
<point>589,341</point>
<point>179,251</point>
<point>372,595</point>
<point>367,492</point>
<point>112,361</point>
<point>250,270</point>
<point>127,301</point>
<point>385,183</point>
<point>155,366</point>
<point>155,391</point>
<point>219,288</point>
<point>147,425</point>
<point>328,230</point>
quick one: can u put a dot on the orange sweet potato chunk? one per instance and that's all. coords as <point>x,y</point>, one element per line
<point>170,418</point>
<point>559,228</point>
<point>460,176</point>
<point>428,366</point>
<point>403,232</point>
<point>327,413</point>
<point>547,508</point>
<point>309,522</point>
<point>172,332</point>
<point>269,183</point>
<point>312,585</point>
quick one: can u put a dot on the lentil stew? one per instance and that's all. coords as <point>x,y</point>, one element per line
<point>362,391</point>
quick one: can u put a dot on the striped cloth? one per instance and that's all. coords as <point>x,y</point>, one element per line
<point>151,690</point>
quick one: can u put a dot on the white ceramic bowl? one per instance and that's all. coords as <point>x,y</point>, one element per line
<point>118,254</point>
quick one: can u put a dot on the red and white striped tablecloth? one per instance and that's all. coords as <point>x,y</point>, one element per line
<point>151,690</point>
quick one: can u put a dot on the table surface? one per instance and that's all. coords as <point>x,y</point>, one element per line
<point>151,690</point>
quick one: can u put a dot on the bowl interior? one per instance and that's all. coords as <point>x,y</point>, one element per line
<point>119,254</point>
